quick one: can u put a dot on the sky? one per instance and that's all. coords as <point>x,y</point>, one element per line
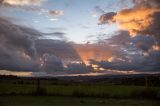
<point>79,19</point>
<point>72,37</point>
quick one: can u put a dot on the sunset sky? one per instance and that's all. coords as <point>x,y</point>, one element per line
<point>73,37</point>
<point>78,20</point>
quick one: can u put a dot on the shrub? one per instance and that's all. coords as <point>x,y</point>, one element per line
<point>147,93</point>
<point>40,91</point>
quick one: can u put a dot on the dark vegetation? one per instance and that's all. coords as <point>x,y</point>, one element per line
<point>139,80</point>
<point>127,86</point>
<point>71,101</point>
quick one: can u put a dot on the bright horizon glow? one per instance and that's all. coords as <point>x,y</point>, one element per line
<point>41,74</point>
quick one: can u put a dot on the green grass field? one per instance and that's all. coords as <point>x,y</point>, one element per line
<point>115,91</point>
<point>70,101</point>
<point>78,95</point>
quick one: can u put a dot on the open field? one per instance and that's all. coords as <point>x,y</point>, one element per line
<point>70,101</point>
<point>53,92</point>
<point>112,91</point>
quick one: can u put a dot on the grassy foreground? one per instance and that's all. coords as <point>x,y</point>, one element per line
<point>107,91</point>
<point>70,101</point>
<point>78,95</point>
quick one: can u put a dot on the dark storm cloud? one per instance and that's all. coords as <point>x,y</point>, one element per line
<point>144,43</point>
<point>78,68</point>
<point>61,49</point>
<point>137,48</point>
<point>22,50</point>
<point>107,18</point>
<point>155,55</point>
<point>140,64</point>
<point>141,50</point>
<point>120,38</point>
<point>51,64</point>
<point>18,36</point>
<point>17,46</point>
<point>1,1</point>
<point>147,3</point>
<point>58,53</point>
<point>137,54</point>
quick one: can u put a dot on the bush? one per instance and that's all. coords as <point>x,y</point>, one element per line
<point>147,93</point>
<point>40,91</point>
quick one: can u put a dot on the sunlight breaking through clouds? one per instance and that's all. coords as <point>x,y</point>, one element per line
<point>49,37</point>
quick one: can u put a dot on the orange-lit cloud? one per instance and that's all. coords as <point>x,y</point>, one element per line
<point>94,51</point>
<point>142,18</point>
<point>22,74</point>
<point>156,47</point>
<point>136,20</point>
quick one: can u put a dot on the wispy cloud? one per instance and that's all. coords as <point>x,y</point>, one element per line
<point>22,2</point>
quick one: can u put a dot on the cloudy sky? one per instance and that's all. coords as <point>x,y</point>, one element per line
<point>72,37</point>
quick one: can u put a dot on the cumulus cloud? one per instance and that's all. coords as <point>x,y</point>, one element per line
<point>130,63</point>
<point>60,49</point>
<point>51,64</point>
<point>107,18</point>
<point>119,38</point>
<point>56,12</point>
<point>22,50</point>
<point>142,18</point>
<point>17,46</point>
<point>78,68</point>
<point>137,54</point>
<point>14,35</point>
<point>144,43</point>
<point>141,50</point>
